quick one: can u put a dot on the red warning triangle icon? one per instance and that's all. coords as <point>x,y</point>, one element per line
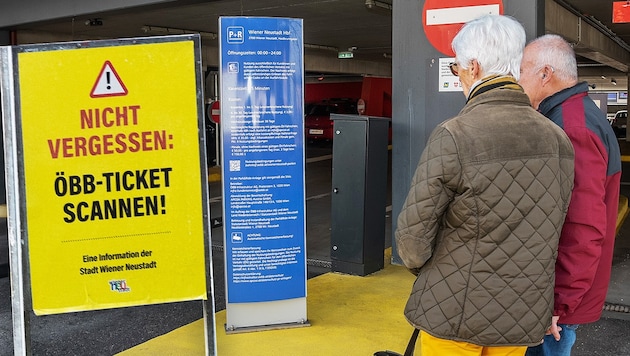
<point>108,83</point>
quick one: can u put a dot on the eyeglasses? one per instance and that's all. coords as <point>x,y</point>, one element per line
<point>454,68</point>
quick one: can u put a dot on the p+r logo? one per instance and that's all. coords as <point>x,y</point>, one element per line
<point>235,34</point>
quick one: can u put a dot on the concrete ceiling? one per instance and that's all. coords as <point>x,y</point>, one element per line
<point>600,12</point>
<point>330,25</point>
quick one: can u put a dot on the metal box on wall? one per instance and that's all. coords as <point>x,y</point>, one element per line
<point>359,193</point>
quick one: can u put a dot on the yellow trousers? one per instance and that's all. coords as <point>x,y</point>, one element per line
<point>433,346</point>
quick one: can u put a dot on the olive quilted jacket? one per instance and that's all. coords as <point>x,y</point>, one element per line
<point>481,223</point>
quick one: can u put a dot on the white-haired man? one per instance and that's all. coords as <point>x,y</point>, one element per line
<point>549,77</point>
<point>482,219</point>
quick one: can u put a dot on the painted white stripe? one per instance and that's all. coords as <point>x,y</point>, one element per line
<point>463,14</point>
<point>317,196</point>
<point>317,159</point>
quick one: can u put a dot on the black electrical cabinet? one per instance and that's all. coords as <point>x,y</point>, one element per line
<point>359,193</point>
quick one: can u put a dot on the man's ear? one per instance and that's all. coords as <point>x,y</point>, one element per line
<point>547,71</point>
<point>474,68</point>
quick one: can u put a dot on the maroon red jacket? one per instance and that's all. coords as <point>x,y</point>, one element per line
<point>588,234</point>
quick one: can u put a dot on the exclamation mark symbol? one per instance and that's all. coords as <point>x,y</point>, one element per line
<point>163,201</point>
<point>108,83</point>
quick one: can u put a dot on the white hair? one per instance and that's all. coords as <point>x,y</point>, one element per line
<point>495,41</point>
<point>554,51</point>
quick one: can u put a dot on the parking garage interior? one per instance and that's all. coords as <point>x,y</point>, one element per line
<point>351,53</point>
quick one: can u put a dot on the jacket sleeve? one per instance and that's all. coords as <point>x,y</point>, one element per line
<point>584,229</point>
<point>432,189</point>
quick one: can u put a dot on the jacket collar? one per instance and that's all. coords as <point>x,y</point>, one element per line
<point>558,98</point>
<point>493,82</point>
<point>511,94</point>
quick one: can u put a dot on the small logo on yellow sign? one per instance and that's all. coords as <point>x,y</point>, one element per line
<point>119,286</point>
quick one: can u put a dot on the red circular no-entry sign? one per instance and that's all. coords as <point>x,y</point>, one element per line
<point>442,20</point>
<point>215,112</point>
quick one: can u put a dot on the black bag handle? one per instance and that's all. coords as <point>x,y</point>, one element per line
<point>412,343</point>
<point>410,347</point>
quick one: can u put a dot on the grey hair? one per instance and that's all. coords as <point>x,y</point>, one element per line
<point>495,41</point>
<point>554,51</point>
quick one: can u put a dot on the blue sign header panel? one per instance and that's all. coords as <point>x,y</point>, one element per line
<point>262,95</point>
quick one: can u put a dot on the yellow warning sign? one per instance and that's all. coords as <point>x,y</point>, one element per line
<point>112,170</point>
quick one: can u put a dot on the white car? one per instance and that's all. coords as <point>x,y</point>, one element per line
<point>619,123</point>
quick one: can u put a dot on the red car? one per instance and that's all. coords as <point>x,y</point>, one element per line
<point>317,122</point>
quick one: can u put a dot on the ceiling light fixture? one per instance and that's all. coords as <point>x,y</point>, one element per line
<point>375,4</point>
<point>613,81</point>
<point>94,22</point>
<point>157,30</point>
<point>322,47</point>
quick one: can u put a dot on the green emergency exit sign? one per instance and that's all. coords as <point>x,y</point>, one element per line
<point>347,54</point>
